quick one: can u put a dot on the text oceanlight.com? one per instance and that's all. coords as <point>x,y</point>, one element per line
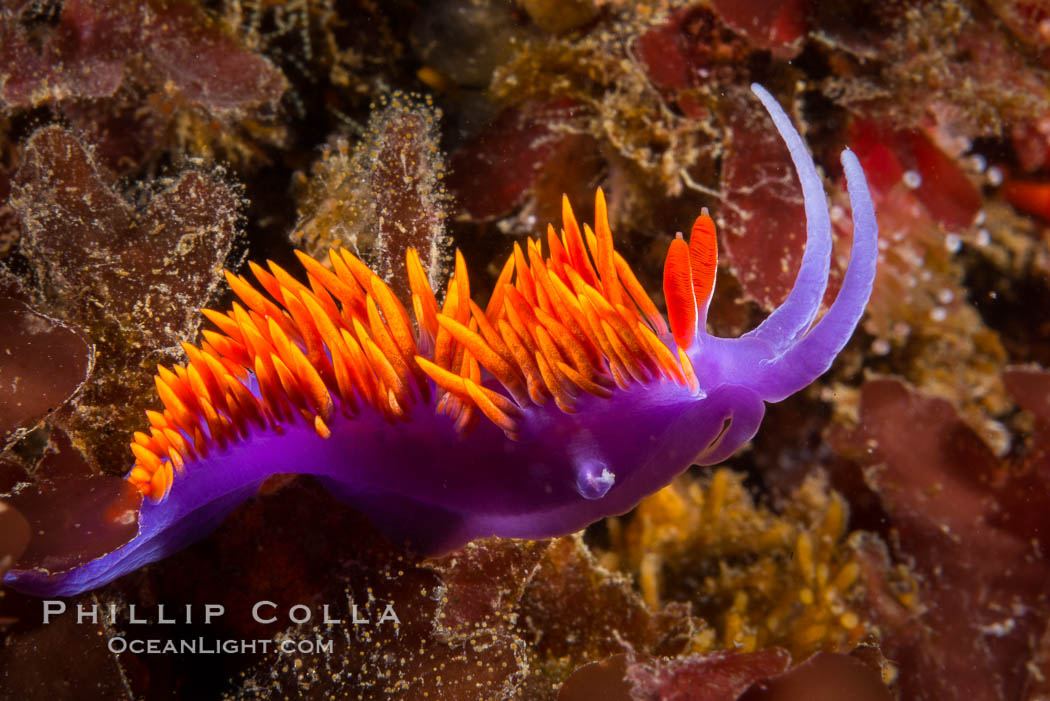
<point>203,646</point>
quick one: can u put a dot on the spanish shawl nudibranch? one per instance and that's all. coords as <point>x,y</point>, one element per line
<point>567,399</point>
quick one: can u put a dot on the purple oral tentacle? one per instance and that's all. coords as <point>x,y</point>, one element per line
<point>790,320</point>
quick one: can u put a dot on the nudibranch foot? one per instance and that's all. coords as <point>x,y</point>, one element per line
<point>566,399</point>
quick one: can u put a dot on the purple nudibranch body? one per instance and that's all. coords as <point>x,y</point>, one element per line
<point>462,441</point>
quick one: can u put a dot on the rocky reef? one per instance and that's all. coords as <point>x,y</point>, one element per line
<point>884,536</point>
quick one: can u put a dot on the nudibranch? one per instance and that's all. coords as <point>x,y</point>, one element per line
<point>566,399</point>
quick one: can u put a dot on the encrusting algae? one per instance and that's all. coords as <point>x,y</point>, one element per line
<point>381,196</point>
<point>762,579</point>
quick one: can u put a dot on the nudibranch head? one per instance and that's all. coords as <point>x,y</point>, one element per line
<point>567,399</point>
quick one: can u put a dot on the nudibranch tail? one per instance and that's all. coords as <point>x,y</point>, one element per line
<point>565,399</point>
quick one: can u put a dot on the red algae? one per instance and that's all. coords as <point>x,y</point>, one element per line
<point>1027,22</point>
<point>42,364</point>
<point>494,172</point>
<point>1023,492</point>
<point>767,222</point>
<point>823,677</point>
<point>124,275</point>
<point>717,677</point>
<point>766,675</point>
<point>78,55</point>
<point>74,515</point>
<point>564,592</point>
<point>926,326</point>
<point>605,679</point>
<point>113,232</point>
<point>384,197</point>
<point>40,667</point>
<point>982,596</point>
<point>948,194</point>
<point>777,26</point>
<point>691,49</point>
<point>14,536</point>
<point>168,70</point>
